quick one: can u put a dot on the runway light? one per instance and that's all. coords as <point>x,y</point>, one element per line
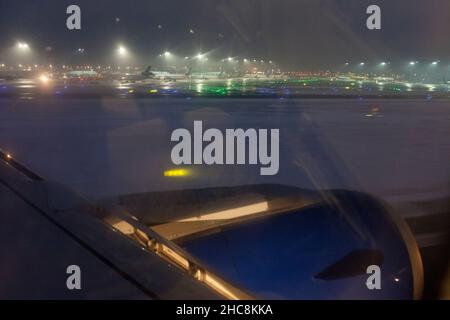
<point>176,173</point>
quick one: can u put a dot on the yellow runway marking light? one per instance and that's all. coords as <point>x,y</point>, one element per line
<point>176,173</point>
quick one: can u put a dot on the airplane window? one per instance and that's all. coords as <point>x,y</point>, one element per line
<point>226,149</point>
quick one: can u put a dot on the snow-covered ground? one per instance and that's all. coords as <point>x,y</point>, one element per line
<point>392,148</point>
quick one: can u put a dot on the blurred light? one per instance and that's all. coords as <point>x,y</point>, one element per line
<point>23,46</point>
<point>245,60</point>
<point>200,56</point>
<point>122,51</point>
<point>8,156</point>
<point>362,63</point>
<point>230,59</point>
<point>383,63</point>
<point>435,63</point>
<point>412,63</point>
<point>167,54</point>
<point>176,173</point>
<point>44,78</point>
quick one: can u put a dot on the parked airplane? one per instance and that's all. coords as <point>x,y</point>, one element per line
<point>208,75</point>
<point>149,74</point>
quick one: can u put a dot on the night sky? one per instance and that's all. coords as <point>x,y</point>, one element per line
<point>294,33</point>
